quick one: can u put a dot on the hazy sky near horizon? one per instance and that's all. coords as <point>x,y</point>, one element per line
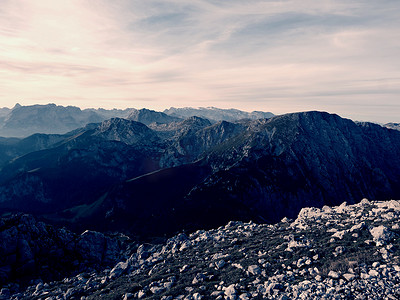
<point>340,56</point>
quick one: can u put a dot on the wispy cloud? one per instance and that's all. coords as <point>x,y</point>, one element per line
<point>340,56</point>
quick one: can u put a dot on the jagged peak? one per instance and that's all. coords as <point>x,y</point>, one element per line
<point>148,116</point>
<point>17,105</point>
<point>120,123</point>
<point>127,131</point>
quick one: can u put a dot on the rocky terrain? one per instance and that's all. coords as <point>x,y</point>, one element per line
<point>342,252</point>
<point>33,251</point>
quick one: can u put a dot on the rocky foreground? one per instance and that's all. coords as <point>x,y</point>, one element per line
<point>344,252</point>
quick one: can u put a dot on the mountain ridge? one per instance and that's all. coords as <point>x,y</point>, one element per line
<point>216,114</point>
<point>22,121</point>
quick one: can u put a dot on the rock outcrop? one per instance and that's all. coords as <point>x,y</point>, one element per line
<point>32,251</point>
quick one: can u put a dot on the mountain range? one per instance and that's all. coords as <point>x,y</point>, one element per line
<point>184,174</point>
<point>215,114</point>
<point>22,121</point>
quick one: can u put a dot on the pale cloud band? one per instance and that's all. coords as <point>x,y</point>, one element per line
<point>280,56</point>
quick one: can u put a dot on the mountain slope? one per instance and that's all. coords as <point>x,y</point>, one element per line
<point>123,175</point>
<point>304,159</point>
<point>273,169</point>
<point>78,168</point>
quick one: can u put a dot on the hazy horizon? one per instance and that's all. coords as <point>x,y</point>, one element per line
<point>278,56</point>
<point>196,107</point>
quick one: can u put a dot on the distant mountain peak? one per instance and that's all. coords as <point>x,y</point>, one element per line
<point>127,131</point>
<point>22,121</point>
<point>393,126</point>
<point>216,114</point>
<point>147,116</point>
<point>17,105</point>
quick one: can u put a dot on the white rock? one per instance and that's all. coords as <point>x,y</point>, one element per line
<point>239,266</point>
<point>376,264</point>
<point>373,273</point>
<point>341,208</point>
<point>184,268</point>
<point>349,276</point>
<point>333,274</point>
<point>218,256</point>
<point>244,296</point>
<point>364,276</point>
<point>301,262</point>
<point>254,269</point>
<point>339,234</point>
<point>119,269</point>
<point>381,235</point>
<point>357,227</point>
<point>197,296</point>
<point>230,292</point>
<point>184,246</point>
<point>157,289</point>
<point>365,202</point>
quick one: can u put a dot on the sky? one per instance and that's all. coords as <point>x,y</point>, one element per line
<point>340,56</point>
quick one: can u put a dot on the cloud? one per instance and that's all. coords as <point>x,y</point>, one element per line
<point>255,55</point>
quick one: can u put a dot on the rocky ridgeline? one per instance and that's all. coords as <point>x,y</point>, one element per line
<point>344,252</point>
